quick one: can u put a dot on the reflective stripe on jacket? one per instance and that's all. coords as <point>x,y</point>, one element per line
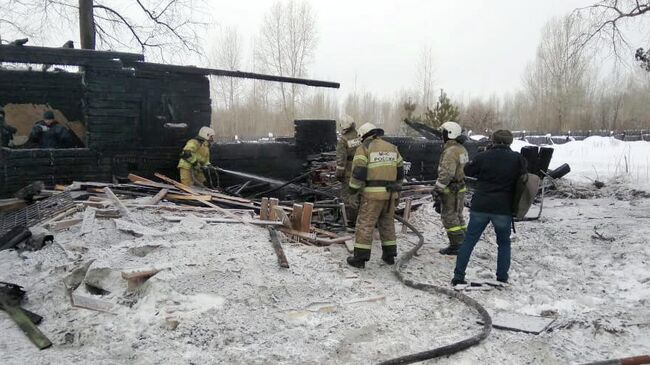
<point>376,165</point>
<point>199,154</point>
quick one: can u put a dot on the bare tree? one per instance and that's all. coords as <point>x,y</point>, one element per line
<point>479,116</point>
<point>559,82</point>
<point>168,27</point>
<point>426,77</point>
<point>605,20</point>
<point>286,46</point>
<point>228,54</point>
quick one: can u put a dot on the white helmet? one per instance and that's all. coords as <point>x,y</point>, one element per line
<point>206,133</point>
<point>453,129</point>
<point>367,128</point>
<point>346,122</point>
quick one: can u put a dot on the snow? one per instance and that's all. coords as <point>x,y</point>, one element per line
<point>220,297</point>
<point>602,158</point>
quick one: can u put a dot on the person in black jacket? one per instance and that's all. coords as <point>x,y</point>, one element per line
<point>48,133</point>
<point>496,171</point>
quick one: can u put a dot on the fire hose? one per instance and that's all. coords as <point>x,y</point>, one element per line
<point>443,350</point>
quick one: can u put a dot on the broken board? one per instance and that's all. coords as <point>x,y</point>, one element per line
<point>520,322</point>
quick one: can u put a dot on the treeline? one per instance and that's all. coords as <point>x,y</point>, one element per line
<point>564,88</point>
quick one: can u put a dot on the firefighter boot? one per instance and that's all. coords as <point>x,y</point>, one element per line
<point>359,258</point>
<point>455,240</point>
<point>388,254</point>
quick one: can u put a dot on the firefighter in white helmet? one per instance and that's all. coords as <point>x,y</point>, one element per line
<point>450,186</point>
<point>377,173</point>
<point>195,157</point>
<point>345,148</point>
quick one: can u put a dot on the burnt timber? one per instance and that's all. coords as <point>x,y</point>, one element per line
<point>125,102</point>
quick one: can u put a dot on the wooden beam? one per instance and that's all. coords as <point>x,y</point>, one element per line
<point>64,56</point>
<point>273,202</point>
<point>296,218</point>
<point>176,219</point>
<point>264,209</point>
<point>64,224</point>
<point>158,197</point>
<point>29,328</point>
<point>88,223</point>
<point>305,222</point>
<point>277,247</point>
<point>157,67</point>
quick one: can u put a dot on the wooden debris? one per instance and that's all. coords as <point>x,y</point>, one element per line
<point>124,210</point>
<point>176,219</point>
<point>29,328</point>
<point>264,209</point>
<point>273,202</point>
<point>368,299</point>
<point>135,278</point>
<point>64,224</point>
<point>305,221</point>
<point>279,252</point>
<point>88,301</point>
<point>296,217</point>
<point>158,197</point>
<point>136,229</point>
<point>88,224</point>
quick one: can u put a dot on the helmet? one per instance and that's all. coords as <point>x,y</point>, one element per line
<point>48,114</point>
<point>367,129</point>
<point>206,133</point>
<point>346,122</point>
<point>452,130</point>
<point>502,136</point>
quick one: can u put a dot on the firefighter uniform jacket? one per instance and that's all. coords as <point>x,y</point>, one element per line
<point>377,165</point>
<point>450,168</point>
<point>195,155</point>
<point>345,149</point>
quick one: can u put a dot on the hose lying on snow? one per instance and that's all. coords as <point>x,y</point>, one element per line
<point>444,350</point>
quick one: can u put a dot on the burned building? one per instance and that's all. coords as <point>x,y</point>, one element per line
<point>134,116</point>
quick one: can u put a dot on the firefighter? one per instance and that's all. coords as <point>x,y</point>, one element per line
<point>450,186</point>
<point>345,149</point>
<point>6,131</point>
<point>377,172</point>
<point>196,157</point>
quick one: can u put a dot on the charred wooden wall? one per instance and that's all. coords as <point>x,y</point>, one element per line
<point>61,90</point>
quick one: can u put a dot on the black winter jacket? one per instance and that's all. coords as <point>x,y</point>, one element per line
<point>496,171</point>
<point>54,136</point>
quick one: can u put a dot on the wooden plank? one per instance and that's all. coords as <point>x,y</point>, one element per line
<point>296,217</point>
<point>264,209</point>
<point>88,223</point>
<point>205,198</point>
<point>193,192</point>
<point>273,202</point>
<point>176,219</point>
<point>277,247</point>
<point>283,218</point>
<point>407,213</point>
<point>344,214</point>
<point>64,224</point>
<point>135,278</point>
<point>64,56</point>
<point>87,301</point>
<point>158,197</point>
<point>305,222</point>
<point>123,210</point>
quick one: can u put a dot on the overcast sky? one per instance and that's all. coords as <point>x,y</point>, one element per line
<point>480,46</point>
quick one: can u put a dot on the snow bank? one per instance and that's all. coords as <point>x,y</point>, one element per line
<point>602,158</point>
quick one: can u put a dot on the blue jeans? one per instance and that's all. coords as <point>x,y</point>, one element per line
<point>477,223</point>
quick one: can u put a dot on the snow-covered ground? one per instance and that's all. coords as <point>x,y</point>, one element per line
<point>602,158</point>
<point>222,299</point>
